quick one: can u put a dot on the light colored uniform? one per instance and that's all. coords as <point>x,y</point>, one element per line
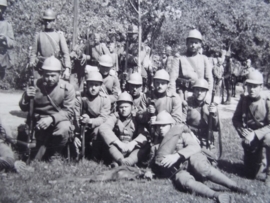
<point>111,87</point>
<point>59,105</point>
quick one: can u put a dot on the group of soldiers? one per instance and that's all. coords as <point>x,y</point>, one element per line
<point>162,129</point>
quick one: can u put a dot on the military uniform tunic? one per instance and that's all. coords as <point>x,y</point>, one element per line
<point>111,87</point>
<point>58,103</point>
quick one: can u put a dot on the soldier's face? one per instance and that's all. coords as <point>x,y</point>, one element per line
<point>199,93</point>
<point>51,78</point>
<point>134,90</point>
<point>96,39</point>
<point>104,71</point>
<point>124,109</point>
<point>193,45</point>
<point>163,129</point>
<point>254,90</point>
<point>160,85</point>
<point>49,24</point>
<point>93,87</point>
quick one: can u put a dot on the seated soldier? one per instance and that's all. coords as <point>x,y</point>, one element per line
<point>162,100</point>
<point>125,140</point>
<point>53,108</point>
<point>111,85</point>
<point>179,156</point>
<point>92,110</point>
<point>251,120</point>
<point>197,113</point>
<point>135,83</point>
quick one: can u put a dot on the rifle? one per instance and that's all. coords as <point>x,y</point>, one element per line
<point>124,75</point>
<point>210,124</point>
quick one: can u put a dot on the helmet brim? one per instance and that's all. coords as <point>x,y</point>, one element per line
<point>162,123</point>
<point>255,82</point>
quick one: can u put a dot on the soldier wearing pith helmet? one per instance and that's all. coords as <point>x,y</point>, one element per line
<point>6,41</point>
<point>251,120</point>
<point>53,107</point>
<point>162,99</point>
<point>193,65</point>
<point>92,110</point>
<point>50,43</point>
<point>125,140</point>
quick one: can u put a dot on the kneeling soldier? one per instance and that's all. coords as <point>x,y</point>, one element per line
<point>179,156</point>
<point>125,140</point>
<point>53,108</point>
<point>197,114</point>
<point>251,120</point>
<point>92,110</point>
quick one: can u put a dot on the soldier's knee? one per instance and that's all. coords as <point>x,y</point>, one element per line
<point>200,165</point>
<point>182,179</point>
<point>5,151</point>
<point>62,129</point>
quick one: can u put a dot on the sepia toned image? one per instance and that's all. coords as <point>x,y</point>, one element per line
<point>134,101</point>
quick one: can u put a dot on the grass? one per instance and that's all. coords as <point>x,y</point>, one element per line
<point>35,187</point>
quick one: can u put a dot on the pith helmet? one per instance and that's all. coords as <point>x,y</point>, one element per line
<point>164,118</point>
<point>162,75</point>
<point>202,83</point>
<point>195,34</point>
<point>255,77</point>
<point>52,64</point>
<point>136,79</point>
<point>3,2</point>
<point>49,14</point>
<point>94,76</point>
<point>105,60</point>
<point>125,97</point>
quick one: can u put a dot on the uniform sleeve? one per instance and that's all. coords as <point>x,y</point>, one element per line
<point>176,112</point>
<point>208,76</point>
<point>66,111</point>
<point>115,90</point>
<point>104,113</point>
<point>105,49</point>
<point>34,49</point>
<point>191,145</point>
<point>237,117</point>
<point>106,130</point>
<point>261,132</point>
<point>65,51</point>
<point>10,37</point>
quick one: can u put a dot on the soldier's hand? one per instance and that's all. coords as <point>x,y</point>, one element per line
<point>85,119</point>
<point>131,145</point>
<point>212,108</point>
<point>151,109</point>
<point>83,59</point>
<point>122,146</point>
<point>30,91</point>
<point>249,138</point>
<point>44,123</point>
<point>66,74</point>
<point>77,142</point>
<point>170,159</point>
<point>152,120</point>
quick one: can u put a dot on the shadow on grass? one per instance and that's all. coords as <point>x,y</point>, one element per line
<point>232,167</point>
<point>19,114</point>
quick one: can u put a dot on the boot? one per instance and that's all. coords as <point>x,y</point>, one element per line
<point>116,155</point>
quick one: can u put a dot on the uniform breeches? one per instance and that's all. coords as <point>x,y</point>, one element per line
<point>54,137</point>
<point>6,157</point>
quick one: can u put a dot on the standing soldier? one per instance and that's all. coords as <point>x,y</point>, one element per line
<point>111,85</point>
<point>193,65</point>
<point>179,156</point>
<point>50,43</point>
<point>140,100</point>
<point>114,55</point>
<point>6,41</point>
<point>162,99</point>
<point>197,114</point>
<point>125,140</point>
<point>92,110</point>
<point>93,51</point>
<point>251,120</point>
<point>53,108</point>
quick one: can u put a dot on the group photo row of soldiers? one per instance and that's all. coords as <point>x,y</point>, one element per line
<point>104,102</point>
